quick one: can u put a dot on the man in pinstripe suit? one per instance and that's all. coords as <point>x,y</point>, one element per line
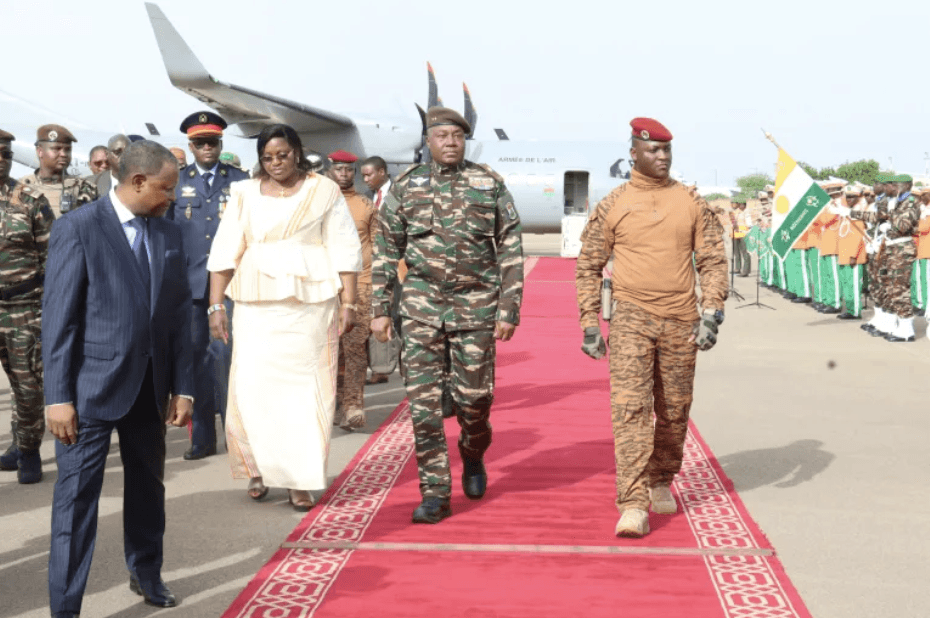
<point>116,335</point>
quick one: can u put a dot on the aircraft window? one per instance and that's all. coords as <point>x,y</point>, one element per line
<point>576,193</point>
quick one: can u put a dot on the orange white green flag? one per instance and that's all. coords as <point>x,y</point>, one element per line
<point>798,201</point>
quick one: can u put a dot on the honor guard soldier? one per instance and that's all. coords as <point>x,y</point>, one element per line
<point>203,188</point>
<point>899,218</point>
<point>658,232</point>
<point>455,224</point>
<point>63,192</point>
<point>851,255</point>
<point>921,279</point>
<point>25,224</point>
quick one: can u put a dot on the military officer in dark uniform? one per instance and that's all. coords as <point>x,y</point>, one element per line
<point>201,194</point>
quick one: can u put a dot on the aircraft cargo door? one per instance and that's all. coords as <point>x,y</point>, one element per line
<point>576,212</point>
<point>576,193</point>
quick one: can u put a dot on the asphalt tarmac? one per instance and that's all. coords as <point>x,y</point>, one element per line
<point>823,430</point>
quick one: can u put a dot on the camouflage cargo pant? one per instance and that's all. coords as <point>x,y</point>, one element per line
<point>21,356</point>
<point>874,281</point>
<point>651,370</point>
<point>472,385</point>
<point>895,272</point>
<point>353,355</point>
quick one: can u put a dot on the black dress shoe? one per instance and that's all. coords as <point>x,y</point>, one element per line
<point>199,452</point>
<point>432,511</point>
<point>801,299</point>
<point>789,295</point>
<point>878,333</point>
<point>896,339</point>
<point>817,307</point>
<point>154,592</point>
<point>867,328</point>
<point>848,316</point>
<point>474,478</point>
<point>830,310</point>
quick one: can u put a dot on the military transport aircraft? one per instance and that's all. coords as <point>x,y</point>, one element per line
<point>548,179</point>
<point>22,118</point>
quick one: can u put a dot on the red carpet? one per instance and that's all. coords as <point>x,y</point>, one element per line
<point>541,541</point>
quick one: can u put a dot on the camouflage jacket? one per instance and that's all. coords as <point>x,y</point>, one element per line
<point>904,217</point>
<point>63,195</point>
<point>459,234</point>
<point>25,225</point>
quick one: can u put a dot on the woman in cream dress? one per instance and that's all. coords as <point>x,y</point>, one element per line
<point>287,253</point>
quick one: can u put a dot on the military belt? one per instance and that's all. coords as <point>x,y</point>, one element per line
<point>23,287</point>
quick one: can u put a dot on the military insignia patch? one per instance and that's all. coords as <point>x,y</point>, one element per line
<point>202,118</point>
<point>511,211</point>
<point>52,136</point>
<point>644,134</point>
<point>223,172</point>
<point>420,181</point>
<point>481,184</point>
<point>188,212</point>
<point>192,173</point>
<point>188,191</point>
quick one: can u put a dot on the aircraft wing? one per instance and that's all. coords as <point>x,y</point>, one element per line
<point>249,109</point>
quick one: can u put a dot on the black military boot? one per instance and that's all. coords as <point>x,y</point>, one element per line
<point>474,476</point>
<point>30,467</point>
<point>10,459</point>
<point>432,511</point>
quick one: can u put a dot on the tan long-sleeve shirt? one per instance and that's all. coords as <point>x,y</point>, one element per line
<point>652,229</point>
<point>363,213</point>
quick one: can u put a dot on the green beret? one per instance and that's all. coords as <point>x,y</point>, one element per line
<point>904,178</point>
<point>438,116</point>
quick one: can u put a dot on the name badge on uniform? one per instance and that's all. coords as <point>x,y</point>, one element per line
<point>188,191</point>
<point>481,184</point>
<point>188,212</point>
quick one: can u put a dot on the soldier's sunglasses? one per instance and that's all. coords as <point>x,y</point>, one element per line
<point>202,143</point>
<point>6,154</point>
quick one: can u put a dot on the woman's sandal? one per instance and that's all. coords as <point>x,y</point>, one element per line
<point>300,504</point>
<point>257,490</point>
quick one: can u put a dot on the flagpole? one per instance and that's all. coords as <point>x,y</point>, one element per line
<point>769,137</point>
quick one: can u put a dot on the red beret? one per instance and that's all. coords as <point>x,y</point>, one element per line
<point>649,129</point>
<point>341,156</point>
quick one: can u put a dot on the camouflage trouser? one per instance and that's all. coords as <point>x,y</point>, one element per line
<point>472,385</point>
<point>895,272</point>
<point>874,281</point>
<point>651,370</point>
<point>353,355</point>
<point>21,356</point>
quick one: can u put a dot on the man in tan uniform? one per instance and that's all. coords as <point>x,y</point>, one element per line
<point>353,354</point>
<point>652,226</point>
<point>63,192</point>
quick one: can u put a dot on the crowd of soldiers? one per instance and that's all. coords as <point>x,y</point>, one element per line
<point>869,242</point>
<point>30,205</point>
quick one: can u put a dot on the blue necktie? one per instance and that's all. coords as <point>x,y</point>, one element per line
<point>138,250</point>
<point>207,177</point>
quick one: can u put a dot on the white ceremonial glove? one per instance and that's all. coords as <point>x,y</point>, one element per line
<point>843,211</point>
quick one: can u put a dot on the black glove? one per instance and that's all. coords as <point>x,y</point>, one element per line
<point>594,344</point>
<point>705,330</point>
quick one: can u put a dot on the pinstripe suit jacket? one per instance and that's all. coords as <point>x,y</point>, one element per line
<point>100,327</point>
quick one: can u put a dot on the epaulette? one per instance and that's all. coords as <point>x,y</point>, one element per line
<point>407,171</point>
<point>491,172</point>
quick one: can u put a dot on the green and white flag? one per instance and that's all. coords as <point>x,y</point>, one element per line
<point>798,201</point>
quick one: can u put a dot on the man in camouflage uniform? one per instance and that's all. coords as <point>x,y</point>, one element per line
<point>455,224</point>
<point>652,227</point>
<point>900,221</point>
<point>885,192</point>
<point>63,192</point>
<point>353,346</point>
<point>25,223</point>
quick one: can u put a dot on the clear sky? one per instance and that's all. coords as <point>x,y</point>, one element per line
<point>832,81</point>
